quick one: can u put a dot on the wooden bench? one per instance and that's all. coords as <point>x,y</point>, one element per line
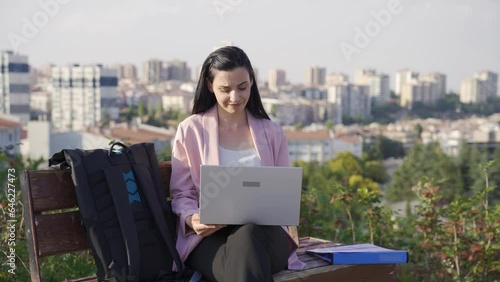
<point>52,225</point>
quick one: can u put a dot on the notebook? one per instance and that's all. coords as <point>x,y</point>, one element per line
<point>239,195</point>
<point>360,254</point>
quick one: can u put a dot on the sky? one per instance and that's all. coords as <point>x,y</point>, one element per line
<point>455,37</point>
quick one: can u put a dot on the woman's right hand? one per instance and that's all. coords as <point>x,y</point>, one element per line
<point>204,230</point>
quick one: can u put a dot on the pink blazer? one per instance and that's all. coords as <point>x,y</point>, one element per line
<point>196,142</point>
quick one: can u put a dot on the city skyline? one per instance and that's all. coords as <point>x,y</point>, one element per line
<point>452,37</point>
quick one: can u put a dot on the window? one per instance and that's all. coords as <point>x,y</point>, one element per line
<point>19,67</point>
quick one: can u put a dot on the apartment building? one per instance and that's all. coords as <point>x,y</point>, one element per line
<point>15,85</point>
<point>315,76</point>
<point>403,77</point>
<point>298,111</point>
<point>83,96</point>
<point>153,71</point>
<point>353,100</point>
<point>276,78</point>
<point>479,88</point>
<point>321,145</point>
<point>310,146</point>
<point>178,100</point>
<point>40,101</point>
<point>377,82</point>
<point>178,70</point>
<point>313,93</point>
<point>336,78</point>
<point>418,91</point>
<point>440,80</point>
<point>413,88</point>
<point>126,71</point>
<point>348,143</point>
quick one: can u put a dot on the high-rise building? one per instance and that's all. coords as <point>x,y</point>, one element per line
<point>469,90</point>
<point>352,99</point>
<point>440,80</point>
<point>414,91</point>
<point>336,78</point>
<point>83,96</point>
<point>363,76</point>
<point>153,71</point>
<point>276,78</point>
<point>315,76</point>
<point>411,92</point>
<point>130,71</point>
<point>178,70</point>
<point>402,77</point>
<point>377,82</point>
<point>15,85</point>
<point>413,88</point>
<point>489,83</point>
<point>479,88</point>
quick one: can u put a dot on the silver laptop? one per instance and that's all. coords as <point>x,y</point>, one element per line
<point>238,195</point>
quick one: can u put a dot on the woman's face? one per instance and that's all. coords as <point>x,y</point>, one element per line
<point>231,89</point>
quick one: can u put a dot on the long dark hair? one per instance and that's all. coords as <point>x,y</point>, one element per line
<point>226,59</point>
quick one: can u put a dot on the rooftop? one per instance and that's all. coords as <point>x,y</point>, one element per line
<point>8,123</point>
<point>308,135</point>
<point>138,134</point>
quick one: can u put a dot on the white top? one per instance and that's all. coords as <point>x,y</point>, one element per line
<point>238,158</point>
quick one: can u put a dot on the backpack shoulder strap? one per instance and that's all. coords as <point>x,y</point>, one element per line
<point>127,223</point>
<point>73,158</point>
<point>157,212</point>
<point>147,171</point>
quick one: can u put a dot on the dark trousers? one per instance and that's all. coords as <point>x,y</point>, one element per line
<point>241,253</point>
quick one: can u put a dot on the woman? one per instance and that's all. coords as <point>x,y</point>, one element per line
<point>228,125</point>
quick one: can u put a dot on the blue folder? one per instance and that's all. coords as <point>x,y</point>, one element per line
<point>360,254</point>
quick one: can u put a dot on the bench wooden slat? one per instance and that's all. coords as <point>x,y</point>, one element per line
<point>51,190</point>
<point>30,230</point>
<point>60,233</point>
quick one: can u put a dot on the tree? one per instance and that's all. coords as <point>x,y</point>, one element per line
<point>130,114</point>
<point>418,131</point>
<point>141,110</point>
<point>384,148</point>
<point>376,171</point>
<point>495,176</point>
<point>475,172</point>
<point>106,118</point>
<point>158,111</point>
<point>386,113</point>
<point>425,163</point>
<point>343,166</point>
<point>329,124</point>
<point>165,153</point>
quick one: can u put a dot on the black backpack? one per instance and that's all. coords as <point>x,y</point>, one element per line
<point>129,222</point>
